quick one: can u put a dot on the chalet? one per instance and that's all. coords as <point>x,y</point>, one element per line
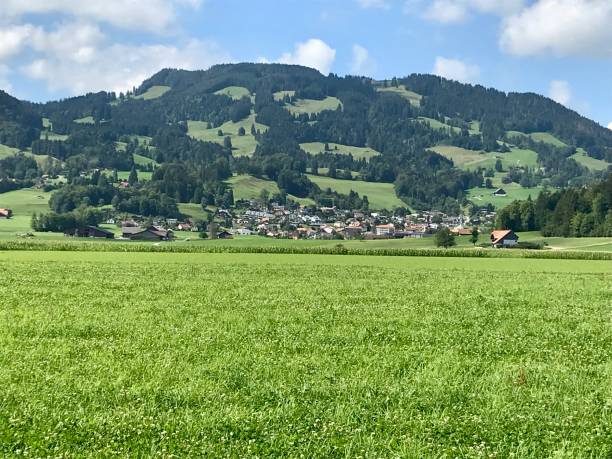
<point>151,233</point>
<point>6,213</point>
<point>500,193</point>
<point>385,230</point>
<point>459,231</point>
<point>224,235</point>
<point>90,231</point>
<point>504,238</point>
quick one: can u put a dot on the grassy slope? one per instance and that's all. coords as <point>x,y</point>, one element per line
<point>435,124</point>
<point>591,163</point>
<point>471,159</point>
<point>143,160</point>
<point>154,92</point>
<point>538,137</point>
<point>242,145</point>
<point>85,120</point>
<point>413,97</point>
<point>6,151</point>
<point>357,152</point>
<point>313,106</point>
<point>235,92</point>
<point>380,195</point>
<point>280,95</point>
<point>263,355</point>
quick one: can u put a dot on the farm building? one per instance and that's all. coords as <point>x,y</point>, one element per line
<point>504,238</point>
<point>151,233</point>
<point>89,231</point>
<point>6,213</point>
<point>458,231</point>
<point>500,193</point>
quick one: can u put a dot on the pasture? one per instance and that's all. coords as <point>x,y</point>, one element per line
<point>235,92</point>
<point>544,137</point>
<point>241,145</point>
<point>316,148</point>
<point>152,354</point>
<point>154,92</point>
<point>312,106</point>
<point>590,163</point>
<point>472,159</point>
<point>380,195</point>
<point>411,96</point>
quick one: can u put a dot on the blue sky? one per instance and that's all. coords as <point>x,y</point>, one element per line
<point>560,48</point>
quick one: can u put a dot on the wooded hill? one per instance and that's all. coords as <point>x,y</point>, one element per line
<point>197,128</point>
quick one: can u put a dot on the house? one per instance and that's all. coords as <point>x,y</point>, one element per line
<point>504,238</point>
<point>6,213</point>
<point>224,235</point>
<point>151,233</point>
<point>90,231</point>
<point>385,230</point>
<point>459,231</point>
<point>243,232</point>
<point>500,193</point>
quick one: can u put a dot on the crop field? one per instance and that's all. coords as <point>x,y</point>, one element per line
<point>221,355</point>
<point>380,195</point>
<point>241,145</point>
<point>311,106</point>
<point>357,152</point>
<point>413,97</point>
<point>154,92</point>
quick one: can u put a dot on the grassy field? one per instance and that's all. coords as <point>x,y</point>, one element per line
<point>23,203</point>
<point>435,124</point>
<point>235,92</point>
<point>242,145</point>
<point>380,195</point>
<point>413,97</point>
<point>280,95</point>
<point>154,92</point>
<point>538,137</point>
<point>591,163</point>
<point>357,152</point>
<point>6,151</point>
<point>220,355</point>
<point>471,159</point>
<point>85,120</point>
<point>311,106</point>
<point>143,160</point>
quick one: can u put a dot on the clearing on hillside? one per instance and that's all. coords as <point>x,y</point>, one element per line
<point>590,163</point>
<point>235,92</point>
<point>413,97</point>
<point>312,106</point>
<point>6,151</point>
<point>471,159</point>
<point>241,145</point>
<point>435,124</point>
<point>538,137</point>
<point>85,120</point>
<point>280,95</point>
<point>380,195</point>
<point>154,92</point>
<point>358,152</point>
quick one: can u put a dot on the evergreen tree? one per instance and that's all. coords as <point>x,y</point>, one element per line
<point>133,177</point>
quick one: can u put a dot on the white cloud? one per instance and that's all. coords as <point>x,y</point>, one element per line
<point>453,11</point>
<point>561,28</point>
<point>362,63</point>
<point>78,57</point>
<point>149,15</point>
<point>313,53</point>
<point>373,4</point>
<point>560,92</point>
<point>610,125</point>
<point>13,39</point>
<point>454,69</point>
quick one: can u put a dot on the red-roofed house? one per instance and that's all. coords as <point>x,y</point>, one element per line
<point>504,238</point>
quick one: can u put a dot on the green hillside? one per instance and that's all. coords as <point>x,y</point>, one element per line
<point>380,195</point>
<point>311,106</point>
<point>358,152</point>
<point>413,97</point>
<point>154,92</point>
<point>235,92</point>
<point>241,145</point>
<point>471,159</point>
<point>538,137</point>
<point>591,163</point>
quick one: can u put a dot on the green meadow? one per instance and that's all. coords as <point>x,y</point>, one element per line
<point>260,355</point>
<point>312,106</point>
<point>154,92</point>
<point>413,97</point>
<point>235,92</point>
<point>472,159</point>
<point>380,195</point>
<point>241,145</point>
<point>538,137</point>
<point>336,148</point>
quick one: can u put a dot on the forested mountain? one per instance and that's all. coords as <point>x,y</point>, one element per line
<point>197,128</point>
